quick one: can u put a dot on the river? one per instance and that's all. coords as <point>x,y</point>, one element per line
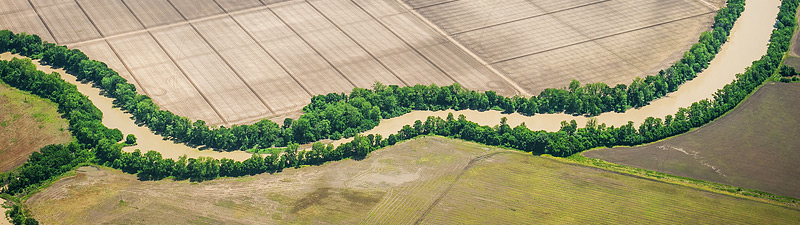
<point>113,117</point>
<point>748,42</point>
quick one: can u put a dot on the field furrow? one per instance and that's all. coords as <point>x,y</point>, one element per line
<point>161,78</point>
<point>68,23</point>
<point>193,9</point>
<point>27,21</point>
<point>153,12</point>
<point>111,16</point>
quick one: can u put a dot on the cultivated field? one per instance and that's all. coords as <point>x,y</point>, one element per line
<point>431,180</point>
<point>754,146</point>
<point>238,61</point>
<point>27,123</point>
<point>544,43</point>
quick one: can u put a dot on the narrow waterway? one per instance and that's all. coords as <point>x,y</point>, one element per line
<point>747,43</point>
<point>115,118</point>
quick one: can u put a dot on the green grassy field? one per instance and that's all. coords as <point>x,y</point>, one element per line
<point>754,146</point>
<point>431,180</point>
<point>514,188</point>
<point>27,123</point>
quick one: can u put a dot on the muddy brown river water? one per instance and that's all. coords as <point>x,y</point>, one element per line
<point>747,43</point>
<point>115,118</point>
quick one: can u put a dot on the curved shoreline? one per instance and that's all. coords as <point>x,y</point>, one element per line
<point>114,117</point>
<point>747,42</point>
<point>747,38</point>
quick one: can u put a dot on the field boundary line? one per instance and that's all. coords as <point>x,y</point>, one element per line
<point>232,69</point>
<point>90,19</point>
<point>202,18</point>
<point>469,52</point>
<point>404,41</point>
<point>271,55</point>
<point>466,168</point>
<point>529,17</point>
<point>175,62</point>
<point>356,42</point>
<point>435,4</point>
<point>311,46</point>
<point>712,6</point>
<point>641,71</point>
<point>109,44</point>
<point>43,23</point>
<point>598,38</point>
<point>145,30</point>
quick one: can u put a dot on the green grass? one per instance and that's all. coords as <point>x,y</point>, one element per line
<point>520,188</point>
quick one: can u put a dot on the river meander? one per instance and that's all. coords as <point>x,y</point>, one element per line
<point>748,42</point>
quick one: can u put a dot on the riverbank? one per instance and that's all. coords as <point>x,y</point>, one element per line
<point>748,42</point>
<point>113,117</point>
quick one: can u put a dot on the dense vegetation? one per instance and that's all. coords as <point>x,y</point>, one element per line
<point>358,111</point>
<point>340,115</point>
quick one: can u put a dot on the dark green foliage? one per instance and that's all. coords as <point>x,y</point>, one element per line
<point>18,216</point>
<point>130,139</point>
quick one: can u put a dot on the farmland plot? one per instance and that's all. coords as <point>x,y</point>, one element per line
<point>233,5</point>
<point>252,59</point>
<point>68,22</point>
<point>111,17</point>
<point>225,91</point>
<point>11,6</point>
<point>161,79</point>
<point>25,21</point>
<point>300,59</point>
<point>522,39</point>
<point>340,50</point>
<point>193,9</point>
<point>153,12</point>
<point>256,67</point>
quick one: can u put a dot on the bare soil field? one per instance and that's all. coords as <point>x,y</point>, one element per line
<point>27,123</point>
<point>754,146</point>
<point>239,61</point>
<point>543,43</point>
<point>416,181</point>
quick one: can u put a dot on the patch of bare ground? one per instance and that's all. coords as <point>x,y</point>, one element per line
<point>403,178</point>
<point>754,146</point>
<point>27,123</point>
<point>428,180</point>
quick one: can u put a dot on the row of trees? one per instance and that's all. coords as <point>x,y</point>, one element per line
<point>96,143</point>
<point>335,115</point>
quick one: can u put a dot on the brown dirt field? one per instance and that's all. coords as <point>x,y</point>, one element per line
<point>754,146</point>
<point>27,123</point>
<point>543,43</point>
<point>313,46</point>
<point>432,180</point>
